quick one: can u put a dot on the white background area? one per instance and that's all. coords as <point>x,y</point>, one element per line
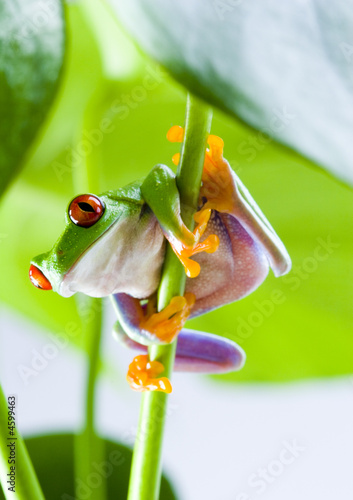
<point>220,439</point>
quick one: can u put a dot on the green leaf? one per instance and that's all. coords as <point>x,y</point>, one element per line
<point>32,46</point>
<point>53,461</point>
<point>94,73</point>
<point>284,68</point>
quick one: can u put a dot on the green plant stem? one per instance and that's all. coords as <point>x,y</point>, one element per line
<point>146,466</point>
<point>27,486</point>
<point>89,447</point>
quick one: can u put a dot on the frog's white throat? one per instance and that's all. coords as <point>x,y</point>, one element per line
<point>126,259</point>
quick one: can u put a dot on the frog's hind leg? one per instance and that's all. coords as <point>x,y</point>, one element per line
<point>236,270</point>
<point>144,324</point>
<point>197,352</point>
<point>226,193</point>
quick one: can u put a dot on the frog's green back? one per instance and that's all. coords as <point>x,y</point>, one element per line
<point>131,193</point>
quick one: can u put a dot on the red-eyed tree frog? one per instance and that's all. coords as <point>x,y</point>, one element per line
<point>114,245</point>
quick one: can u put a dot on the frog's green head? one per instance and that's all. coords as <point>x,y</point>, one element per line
<point>87,219</point>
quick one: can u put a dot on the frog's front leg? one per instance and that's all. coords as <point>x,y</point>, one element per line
<point>161,194</point>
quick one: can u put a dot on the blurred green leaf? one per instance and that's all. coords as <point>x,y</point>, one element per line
<point>284,68</point>
<point>32,46</point>
<point>53,460</point>
<point>99,60</point>
<point>31,217</point>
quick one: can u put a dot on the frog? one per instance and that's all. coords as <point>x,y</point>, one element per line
<point>114,244</point>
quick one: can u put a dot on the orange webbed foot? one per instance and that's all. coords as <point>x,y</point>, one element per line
<point>143,374</point>
<point>166,324</point>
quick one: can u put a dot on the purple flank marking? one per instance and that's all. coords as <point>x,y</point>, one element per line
<point>206,353</point>
<point>200,352</point>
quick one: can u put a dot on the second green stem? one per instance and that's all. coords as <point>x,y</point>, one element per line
<point>146,466</point>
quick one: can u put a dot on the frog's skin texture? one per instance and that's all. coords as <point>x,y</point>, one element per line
<point>121,254</point>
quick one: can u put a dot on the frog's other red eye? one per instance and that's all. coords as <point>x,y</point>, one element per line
<point>38,279</point>
<point>85,210</point>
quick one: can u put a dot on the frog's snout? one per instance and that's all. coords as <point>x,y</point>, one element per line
<point>38,279</point>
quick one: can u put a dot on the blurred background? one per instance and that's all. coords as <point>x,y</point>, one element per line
<point>280,428</point>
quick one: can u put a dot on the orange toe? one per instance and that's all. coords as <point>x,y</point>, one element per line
<point>175,134</point>
<point>176,158</point>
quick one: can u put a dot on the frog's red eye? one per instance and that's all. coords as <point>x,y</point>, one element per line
<point>85,210</point>
<point>38,279</point>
